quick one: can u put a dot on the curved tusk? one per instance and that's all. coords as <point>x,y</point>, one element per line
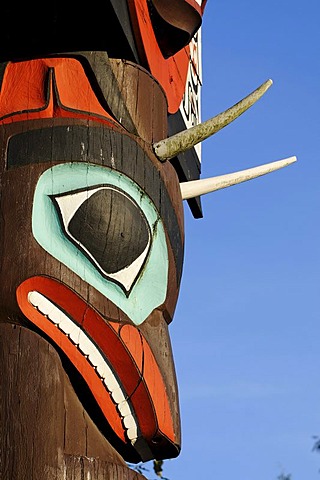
<point>196,188</point>
<point>183,141</point>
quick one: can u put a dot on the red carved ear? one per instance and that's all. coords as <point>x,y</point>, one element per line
<point>163,30</point>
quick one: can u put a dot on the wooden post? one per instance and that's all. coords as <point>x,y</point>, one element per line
<point>45,431</point>
<point>91,237</point>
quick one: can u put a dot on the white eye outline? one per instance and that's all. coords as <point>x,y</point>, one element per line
<point>68,204</point>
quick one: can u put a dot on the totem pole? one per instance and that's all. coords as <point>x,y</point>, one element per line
<point>99,134</point>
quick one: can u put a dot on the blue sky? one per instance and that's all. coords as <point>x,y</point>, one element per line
<point>246,333</point>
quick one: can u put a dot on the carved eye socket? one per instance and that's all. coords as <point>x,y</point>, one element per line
<point>101,225</point>
<point>110,228</point>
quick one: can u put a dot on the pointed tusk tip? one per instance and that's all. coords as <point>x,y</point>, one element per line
<point>292,159</point>
<point>187,139</point>
<point>200,187</point>
<point>268,83</point>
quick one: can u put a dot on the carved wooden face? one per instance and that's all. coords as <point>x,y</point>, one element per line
<point>92,225</point>
<point>92,247</point>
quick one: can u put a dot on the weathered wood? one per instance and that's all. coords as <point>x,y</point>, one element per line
<point>80,468</point>
<point>53,160</point>
<point>45,433</point>
<point>136,84</point>
<point>91,236</point>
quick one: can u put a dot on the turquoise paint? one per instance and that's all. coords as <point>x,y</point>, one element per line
<point>150,289</point>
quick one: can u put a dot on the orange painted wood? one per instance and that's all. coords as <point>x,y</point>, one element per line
<point>46,88</point>
<point>171,73</point>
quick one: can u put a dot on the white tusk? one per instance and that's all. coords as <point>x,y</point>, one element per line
<point>183,141</point>
<point>196,188</point>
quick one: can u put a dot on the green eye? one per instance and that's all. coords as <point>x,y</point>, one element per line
<point>102,226</point>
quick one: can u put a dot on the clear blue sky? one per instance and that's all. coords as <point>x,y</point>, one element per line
<point>246,333</point>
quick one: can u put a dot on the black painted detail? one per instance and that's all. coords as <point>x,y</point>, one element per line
<point>187,164</point>
<point>174,24</point>
<point>112,228</point>
<point>28,31</point>
<point>102,146</point>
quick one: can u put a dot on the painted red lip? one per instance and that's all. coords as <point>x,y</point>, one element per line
<point>115,361</point>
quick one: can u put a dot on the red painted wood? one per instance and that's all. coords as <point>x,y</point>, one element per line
<point>171,73</point>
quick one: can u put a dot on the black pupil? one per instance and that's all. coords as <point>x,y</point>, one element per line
<point>112,228</point>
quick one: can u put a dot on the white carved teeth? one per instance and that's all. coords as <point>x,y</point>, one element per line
<point>88,349</point>
<point>129,422</point>
<point>85,347</point>
<point>105,372</point>
<point>124,409</point>
<point>132,434</point>
<point>43,304</point>
<point>117,395</point>
<point>110,382</point>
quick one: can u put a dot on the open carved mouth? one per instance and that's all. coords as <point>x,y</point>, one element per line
<point>114,360</point>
